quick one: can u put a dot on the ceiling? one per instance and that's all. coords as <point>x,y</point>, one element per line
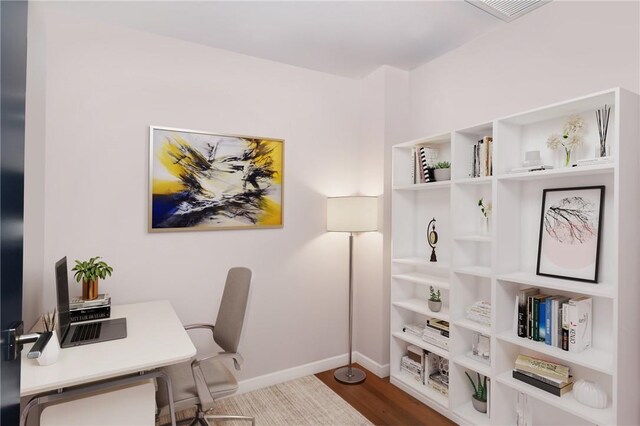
<point>348,38</point>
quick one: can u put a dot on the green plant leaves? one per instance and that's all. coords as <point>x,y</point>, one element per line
<point>91,269</point>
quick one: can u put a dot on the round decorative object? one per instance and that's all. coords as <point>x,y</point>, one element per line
<point>590,394</point>
<point>443,366</point>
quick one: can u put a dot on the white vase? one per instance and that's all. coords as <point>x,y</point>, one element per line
<point>590,394</point>
<point>51,352</point>
<point>486,225</point>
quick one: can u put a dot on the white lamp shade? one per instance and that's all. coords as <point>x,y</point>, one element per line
<point>352,214</point>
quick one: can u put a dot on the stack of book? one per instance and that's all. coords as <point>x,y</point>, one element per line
<point>411,367</point>
<point>558,321</point>
<point>86,310</point>
<point>480,312</point>
<point>483,157</point>
<point>436,333</point>
<point>547,376</point>
<point>423,159</point>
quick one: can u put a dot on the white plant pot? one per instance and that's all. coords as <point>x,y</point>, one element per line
<point>51,352</point>
<point>435,306</point>
<point>442,174</point>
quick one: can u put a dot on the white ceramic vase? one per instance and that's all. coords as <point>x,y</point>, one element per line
<point>51,352</point>
<point>590,394</point>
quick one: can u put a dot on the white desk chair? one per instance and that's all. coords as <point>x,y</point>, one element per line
<point>203,380</point>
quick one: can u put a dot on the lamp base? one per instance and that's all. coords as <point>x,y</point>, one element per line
<point>342,375</point>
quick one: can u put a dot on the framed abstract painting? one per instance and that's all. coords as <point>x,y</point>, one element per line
<point>203,181</point>
<point>570,229</point>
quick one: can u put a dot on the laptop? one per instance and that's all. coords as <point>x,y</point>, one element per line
<point>85,333</point>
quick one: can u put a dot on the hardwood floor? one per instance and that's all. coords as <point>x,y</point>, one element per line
<point>383,403</point>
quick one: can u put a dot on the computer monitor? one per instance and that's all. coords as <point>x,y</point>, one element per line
<point>62,289</point>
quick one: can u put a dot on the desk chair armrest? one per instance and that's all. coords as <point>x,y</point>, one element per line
<point>237,359</point>
<point>199,326</point>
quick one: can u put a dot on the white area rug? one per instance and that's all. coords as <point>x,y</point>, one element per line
<point>304,401</point>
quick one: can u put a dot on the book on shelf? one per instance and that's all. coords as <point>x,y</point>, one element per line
<point>580,319</point>
<point>535,325</point>
<point>565,327</point>
<point>542,385</point>
<point>549,380</point>
<point>594,161</point>
<point>423,160</point>
<point>554,333</point>
<point>441,332</point>
<point>435,338</point>
<point>480,312</point>
<point>542,368</point>
<point>439,324</point>
<point>482,157</point>
<point>439,382</point>
<point>522,309</point>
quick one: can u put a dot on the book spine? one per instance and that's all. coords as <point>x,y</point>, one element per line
<point>580,324</point>
<point>547,322</point>
<point>475,164</point>
<point>554,322</point>
<point>542,318</point>
<point>538,384</point>
<point>413,166</point>
<point>529,316</point>
<point>542,368</point>
<point>565,327</point>
<point>547,380</point>
<point>535,327</point>
<point>522,314</point>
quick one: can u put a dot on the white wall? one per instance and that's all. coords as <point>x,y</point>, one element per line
<point>559,51</point>
<point>104,86</point>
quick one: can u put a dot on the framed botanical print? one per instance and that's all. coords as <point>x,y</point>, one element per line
<point>570,229</point>
<point>205,181</point>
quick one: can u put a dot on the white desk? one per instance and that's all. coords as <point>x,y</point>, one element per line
<point>155,338</point>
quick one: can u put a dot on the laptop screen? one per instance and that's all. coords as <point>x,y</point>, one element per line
<point>62,289</point>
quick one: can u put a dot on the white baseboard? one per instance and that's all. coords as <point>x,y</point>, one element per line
<point>377,369</point>
<point>309,369</point>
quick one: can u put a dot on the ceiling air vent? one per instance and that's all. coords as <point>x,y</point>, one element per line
<point>507,10</point>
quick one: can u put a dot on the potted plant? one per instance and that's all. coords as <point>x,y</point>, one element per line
<point>485,209</point>
<point>442,171</point>
<point>435,303</point>
<point>89,272</point>
<point>479,399</point>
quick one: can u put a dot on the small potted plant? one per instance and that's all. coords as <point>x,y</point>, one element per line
<point>435,303</point>
<point>442,171</point>
<point>485,209</point>
<point>479,399</point>
<point>89,272</point>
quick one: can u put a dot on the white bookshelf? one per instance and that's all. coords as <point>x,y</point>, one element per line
<point>494,266</point>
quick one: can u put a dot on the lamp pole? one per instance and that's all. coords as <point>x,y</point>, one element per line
<point>348,374</point>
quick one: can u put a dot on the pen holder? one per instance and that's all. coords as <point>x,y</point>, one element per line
<point>51,352</point>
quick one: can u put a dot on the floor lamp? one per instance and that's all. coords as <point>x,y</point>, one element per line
<point>351,214</point>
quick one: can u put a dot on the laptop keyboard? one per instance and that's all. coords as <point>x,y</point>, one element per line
<point>86,332</point>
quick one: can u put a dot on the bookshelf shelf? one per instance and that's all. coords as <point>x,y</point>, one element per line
<point>566,402</point>
<point>485,180</point>
<point>476,271</point>
<point>421,390</point>
<point>419,261</point>
<point>417,341</point>
<point>423,279</point>
<point>420,306</point>
<point>423,186</point>
<point>560,173</point>
<point>495,267</point>
<point>592,358</point>
<point>473,238</point>
<point>471,415</point>
<point>473,326</point>
<point>599,290</point>
<point>474,365</point>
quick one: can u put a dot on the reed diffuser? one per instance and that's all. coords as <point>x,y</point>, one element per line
<point>602,117</point>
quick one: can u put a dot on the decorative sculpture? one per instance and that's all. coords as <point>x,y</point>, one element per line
<point>432,239</point>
